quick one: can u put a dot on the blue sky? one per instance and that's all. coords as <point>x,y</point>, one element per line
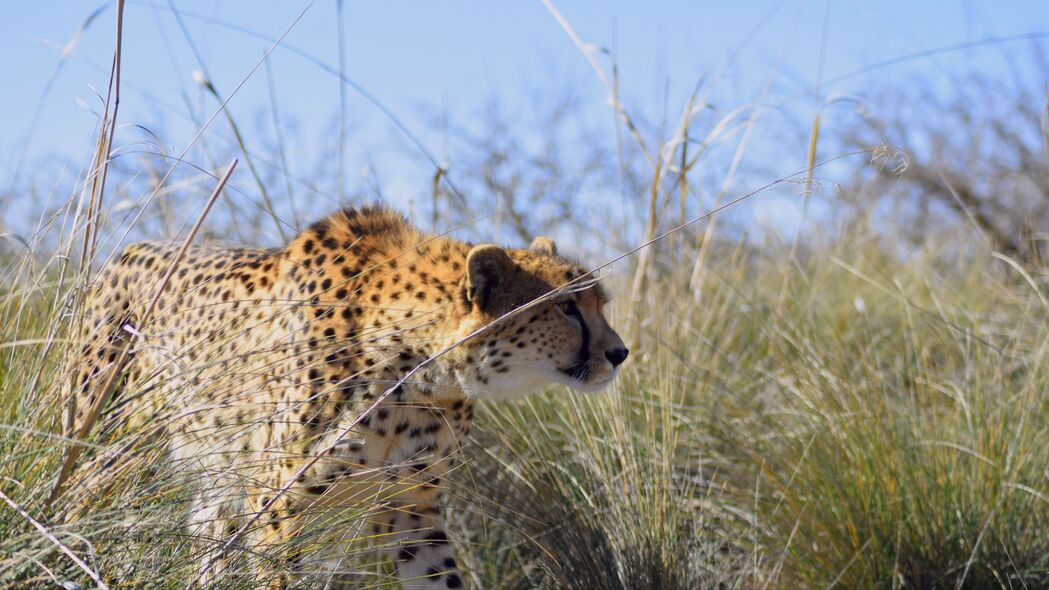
<point>419,57</point>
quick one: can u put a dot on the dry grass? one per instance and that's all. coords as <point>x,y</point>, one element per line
<point>836,411</point>
<point>884,428</point>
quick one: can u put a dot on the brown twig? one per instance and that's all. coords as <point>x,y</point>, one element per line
<point>104,147</point>
<point>341,34</point>
<point>100,172</point>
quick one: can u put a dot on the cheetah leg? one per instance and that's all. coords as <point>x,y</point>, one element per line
<point>275,555</point>
<point>217,512</point>
<point>422,552</point>
<point>211,522</point>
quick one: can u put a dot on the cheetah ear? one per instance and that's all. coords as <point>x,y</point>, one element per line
<point>486,266</point>
<point>543,245</point>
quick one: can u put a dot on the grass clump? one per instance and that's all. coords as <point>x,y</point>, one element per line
<point>847,417</point>
<point>875,421</point>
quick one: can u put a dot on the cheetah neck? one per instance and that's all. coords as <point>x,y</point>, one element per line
<point>411,317</point>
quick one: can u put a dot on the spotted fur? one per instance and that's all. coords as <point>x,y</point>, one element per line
<point>257,361</point>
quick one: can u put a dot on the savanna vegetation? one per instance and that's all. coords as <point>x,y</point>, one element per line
<point>858,403</point>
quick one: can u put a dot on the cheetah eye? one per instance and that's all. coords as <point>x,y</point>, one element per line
<point>568,308</point>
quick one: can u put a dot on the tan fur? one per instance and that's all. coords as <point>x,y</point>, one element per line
<point>256,360</point>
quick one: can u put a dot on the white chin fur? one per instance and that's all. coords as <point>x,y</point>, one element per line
<point>594,387</point>
<point>518,384</point>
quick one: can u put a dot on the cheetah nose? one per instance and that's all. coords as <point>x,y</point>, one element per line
<point>616,356</point>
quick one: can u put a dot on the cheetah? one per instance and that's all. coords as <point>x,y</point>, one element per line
<point>341,370</point>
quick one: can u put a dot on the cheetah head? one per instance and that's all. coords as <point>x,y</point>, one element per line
<point>565,339</point>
